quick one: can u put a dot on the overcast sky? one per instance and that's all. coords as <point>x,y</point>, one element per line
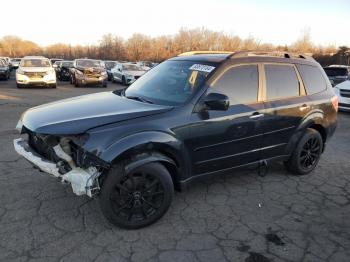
<point>85,21</point>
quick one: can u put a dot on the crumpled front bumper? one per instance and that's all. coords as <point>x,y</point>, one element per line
<point>81,180</point>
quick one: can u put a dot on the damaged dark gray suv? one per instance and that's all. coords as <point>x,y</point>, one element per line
<point>192,116</point>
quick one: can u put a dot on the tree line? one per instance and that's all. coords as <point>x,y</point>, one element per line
<point>142,47</point>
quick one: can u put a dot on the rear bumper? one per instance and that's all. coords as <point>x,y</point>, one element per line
<point>80,179</point>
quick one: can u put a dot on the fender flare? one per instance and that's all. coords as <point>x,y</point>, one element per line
<point>313,117</point>
<point>157,146</point>
<point>147,158</point>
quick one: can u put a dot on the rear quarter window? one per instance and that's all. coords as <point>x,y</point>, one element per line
<point>313,79</point>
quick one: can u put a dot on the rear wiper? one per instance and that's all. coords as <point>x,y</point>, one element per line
<point>139,98</point>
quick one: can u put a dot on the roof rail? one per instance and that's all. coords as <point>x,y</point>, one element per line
<point>271,54</point>
<point>205,52</point>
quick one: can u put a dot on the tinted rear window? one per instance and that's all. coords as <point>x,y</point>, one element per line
<point>312,78</point>
<point>240,84</point>
<point>281,82</point>
<point>334,71</point>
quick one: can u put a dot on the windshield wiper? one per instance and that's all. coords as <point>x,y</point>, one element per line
<point>139,98</point>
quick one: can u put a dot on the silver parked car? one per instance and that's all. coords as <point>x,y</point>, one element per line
<point>127,73</point>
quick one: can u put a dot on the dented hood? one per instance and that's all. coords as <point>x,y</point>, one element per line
<point>77,115</point>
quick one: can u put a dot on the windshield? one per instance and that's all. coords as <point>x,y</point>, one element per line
<point>88,63</point>
<point>16,60</point>
<point>67,64</point>
<point>332,71</point>
<point>110,65</point>
<point>170,83</point>
<point>132,68</point>
<point>35,63</point>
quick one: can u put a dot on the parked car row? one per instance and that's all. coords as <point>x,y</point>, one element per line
<point>116,71</point>
<point>11,63</point>
<point>337,73</point>
<point>4,70</point>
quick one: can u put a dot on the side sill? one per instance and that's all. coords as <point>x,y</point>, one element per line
<point>185,184</point>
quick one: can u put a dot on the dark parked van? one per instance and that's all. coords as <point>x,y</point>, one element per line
<point>192,116</point>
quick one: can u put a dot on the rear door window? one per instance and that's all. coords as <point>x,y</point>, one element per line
<point>239,83</point>
<point>313,79</point>
<point>281,81</point>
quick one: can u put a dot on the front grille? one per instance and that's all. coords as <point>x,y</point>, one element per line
<point>35,74</point>
<point>344,105</point>
<point>345,93</point>
<point>92,73</point>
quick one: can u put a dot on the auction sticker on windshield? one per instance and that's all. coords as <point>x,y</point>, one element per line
<point>202,68</point>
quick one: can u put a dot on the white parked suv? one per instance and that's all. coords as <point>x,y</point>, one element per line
<point>342,90</point>
<point>127,73</point>
<point>35,71</point>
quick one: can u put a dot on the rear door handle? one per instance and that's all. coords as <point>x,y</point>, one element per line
<point>256,115</point>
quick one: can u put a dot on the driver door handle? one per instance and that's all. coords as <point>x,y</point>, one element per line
<point>256,115</point>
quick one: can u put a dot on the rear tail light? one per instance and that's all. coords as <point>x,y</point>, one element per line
<point>334,100</point>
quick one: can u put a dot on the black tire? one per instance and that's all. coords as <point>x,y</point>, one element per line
<point>124,81</point>
<point>142,196</point>
<point>104,84</point>
<point>307,153</point>
<point>19,86</point>
<point>76,83</point>
<point>53,86</point>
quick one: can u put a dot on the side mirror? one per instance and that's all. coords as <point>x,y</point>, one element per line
<point>216,101</point>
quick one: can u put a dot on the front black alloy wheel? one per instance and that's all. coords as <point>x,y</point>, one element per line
<point>137,198</point>
<point>306,154</point>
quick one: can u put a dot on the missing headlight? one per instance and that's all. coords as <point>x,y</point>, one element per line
<point>85,159</point>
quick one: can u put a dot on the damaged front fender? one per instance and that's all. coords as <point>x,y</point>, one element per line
<point>83,181</point>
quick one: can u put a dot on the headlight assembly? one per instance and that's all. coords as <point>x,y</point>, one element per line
<point>20,72</point>
<point>78,72</point>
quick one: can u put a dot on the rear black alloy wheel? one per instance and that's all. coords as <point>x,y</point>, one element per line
<point>310,153</point>
<point>306,154</point>
<point>137,198</point>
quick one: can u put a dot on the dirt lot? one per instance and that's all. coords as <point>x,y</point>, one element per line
<point>238,217</point>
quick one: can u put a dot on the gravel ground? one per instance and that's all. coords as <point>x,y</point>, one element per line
<point>237,217</point>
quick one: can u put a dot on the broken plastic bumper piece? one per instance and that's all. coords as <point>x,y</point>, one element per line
<point>81,180</point>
